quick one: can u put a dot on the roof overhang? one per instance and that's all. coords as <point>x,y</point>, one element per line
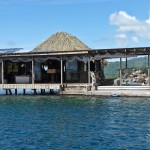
<point>126,51</point>
<point>36,54</point>
<point>105,53</point>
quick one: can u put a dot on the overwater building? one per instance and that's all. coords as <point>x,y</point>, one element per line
<point>63,62</point>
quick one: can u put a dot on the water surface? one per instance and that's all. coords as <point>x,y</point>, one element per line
<point>74,123</point>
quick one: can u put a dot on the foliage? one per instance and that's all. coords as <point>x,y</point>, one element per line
<point>111,70</point>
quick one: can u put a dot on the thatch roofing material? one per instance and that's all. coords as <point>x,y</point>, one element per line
<point>62,41</point>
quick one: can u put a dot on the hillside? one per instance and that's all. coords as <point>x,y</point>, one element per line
<point>111,70</point>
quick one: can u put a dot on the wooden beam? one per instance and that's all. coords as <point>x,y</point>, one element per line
<point>36,54</point>
<point>2,71</point>
<point>126,62</point>
<point>32,71</point>
<point>120,71</point>
<point>148,70</point>
<point>62,70</point>
<point>89,75</point>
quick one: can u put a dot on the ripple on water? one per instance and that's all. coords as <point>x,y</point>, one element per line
<point>68,122</point>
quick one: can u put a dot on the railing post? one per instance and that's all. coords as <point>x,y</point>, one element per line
<point>33,74</point>
<point>62,70</point>
<point>2,71</point>
<point>89,78</point>
<point>120,71</point>
<point>148,70</point>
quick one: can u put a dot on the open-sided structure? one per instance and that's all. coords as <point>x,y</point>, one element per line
<point>47,68</point>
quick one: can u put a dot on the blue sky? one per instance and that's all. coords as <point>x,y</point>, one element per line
<point>98,23</point>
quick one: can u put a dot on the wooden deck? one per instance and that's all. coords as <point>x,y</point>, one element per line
<point>29,86</point>
<point>123,87</point>
<point>137,91</point>
<point>82,89</point>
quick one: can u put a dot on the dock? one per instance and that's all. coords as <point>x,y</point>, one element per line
<point>9,87</point>
<point>137,91</point>
<point>78,89</point>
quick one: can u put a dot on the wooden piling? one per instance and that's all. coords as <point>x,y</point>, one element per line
<point>35,93</point>
<point>44,91</point>
<point>6,92</point>
<point>24,92</point>
<point>15,91</point>
<point>51,91</point>
<point>41,91</point>
<point>10,91</point>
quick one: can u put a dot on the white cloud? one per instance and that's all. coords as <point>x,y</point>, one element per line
<point>122,40</point>
<point>131,26</point>
<point>122,18</point>
<point>134,39</point>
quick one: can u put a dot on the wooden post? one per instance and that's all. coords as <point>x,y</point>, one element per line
<point>42,91</point>
<point>126,62</point>
<point>35,93</point>
<point>15,91</point>
<point>2,71</point>
<point>51,91</point>
<point>120,71</point>
<point>89,76</point>
<point>62,70</point>
<point>24,92</point>
<point>6,92</point>
<point>148,70</point>
<point>10,91</point>
<point>33,71</point>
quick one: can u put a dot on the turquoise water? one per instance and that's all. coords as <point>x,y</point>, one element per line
<point>74,123</point>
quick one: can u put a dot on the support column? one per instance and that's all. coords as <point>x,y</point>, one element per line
<point>24,91</point>
<point>120,71</point>
<point>126,62</point>
<point>62,70</point>
<point>6,92</point>
<point>2,71</point>
<point>148,70</point>
<point>15,91</point>
<point>89,76</point>
<point>33,74</point>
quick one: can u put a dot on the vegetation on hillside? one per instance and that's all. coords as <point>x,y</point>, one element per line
<point>112,68</point>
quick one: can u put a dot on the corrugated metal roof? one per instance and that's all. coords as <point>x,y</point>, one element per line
<point>9,50</point>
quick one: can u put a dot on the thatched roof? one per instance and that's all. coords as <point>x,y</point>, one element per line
<point>62,41</point>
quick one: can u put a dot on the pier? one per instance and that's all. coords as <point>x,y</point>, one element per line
<point>34,87</point>
<point>134,91</point>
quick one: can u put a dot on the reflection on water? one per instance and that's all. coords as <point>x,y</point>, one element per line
<point>69,122</point>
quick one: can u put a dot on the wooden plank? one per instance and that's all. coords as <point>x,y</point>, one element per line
<point>2,72</point>
<point>123,87</point>
<point>29,86</point>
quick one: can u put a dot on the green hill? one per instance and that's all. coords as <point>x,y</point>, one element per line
<point>111,70</point>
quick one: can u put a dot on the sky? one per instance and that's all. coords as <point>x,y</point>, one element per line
<point>98,23</point>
